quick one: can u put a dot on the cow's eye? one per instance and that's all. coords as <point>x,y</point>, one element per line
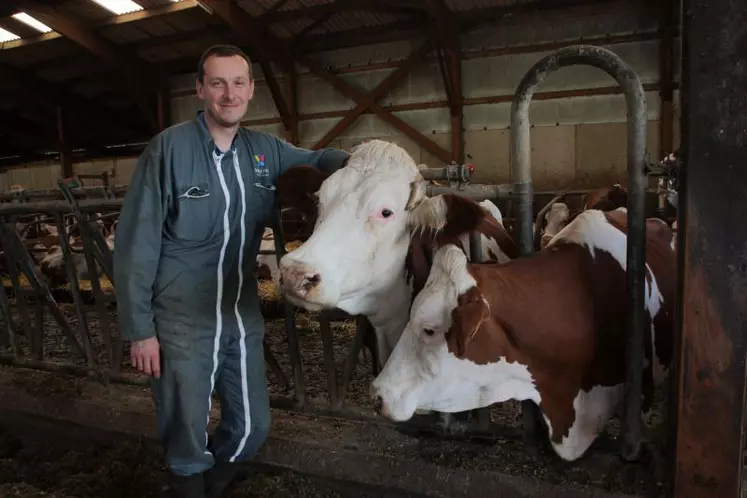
<point>386,213</point>
<point>429,332</point>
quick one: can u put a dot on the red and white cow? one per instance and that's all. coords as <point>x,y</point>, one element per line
<point>559,215</point>
<point>368,235</point>
<point>549,328</point>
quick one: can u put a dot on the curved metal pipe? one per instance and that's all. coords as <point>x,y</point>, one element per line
<point>635,99</point>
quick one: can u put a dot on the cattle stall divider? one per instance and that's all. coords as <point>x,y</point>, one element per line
<point>520,165</point>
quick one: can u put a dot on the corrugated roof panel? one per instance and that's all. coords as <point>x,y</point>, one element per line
<point>467,5</point>
<point>282,31</point>
<point>124,33</point>
<point>292,5</point>
<point>190,20</point>
<point>254,7</point>
<point>155,26</point>
<point>82,67</point>
<point>289,28</point>
<point>84,10</point>
<point>159,54</point>
<point>194,48</point>
<point>343,21</point>
<point>350,20</point>
<point>316,3</point>
<point>380,18</point>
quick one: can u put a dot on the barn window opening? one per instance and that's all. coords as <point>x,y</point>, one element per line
<point>34,23</point>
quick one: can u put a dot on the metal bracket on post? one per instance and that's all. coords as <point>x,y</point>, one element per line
<point>635,99</point>
<point>453,173</point>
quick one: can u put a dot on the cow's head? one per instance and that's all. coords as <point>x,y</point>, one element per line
<point>443,359</point>
<point>365,215</point>
<point>556,218</point>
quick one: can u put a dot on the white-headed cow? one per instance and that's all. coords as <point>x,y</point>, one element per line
<point>373,227</point>
<point>550,328</point>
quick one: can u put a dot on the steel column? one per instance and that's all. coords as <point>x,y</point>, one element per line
<point>635,98</point>
<point>712,301</point>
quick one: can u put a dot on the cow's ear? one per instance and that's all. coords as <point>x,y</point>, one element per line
<point>447,215</point>
<point>470,314</point>
<point>297,186</point>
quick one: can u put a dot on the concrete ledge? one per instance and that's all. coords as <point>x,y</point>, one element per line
<point>296,443</point>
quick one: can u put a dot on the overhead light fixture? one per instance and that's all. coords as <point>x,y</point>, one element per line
<point>119,7</point>
<point>34,23</point>
<point>6,36</point>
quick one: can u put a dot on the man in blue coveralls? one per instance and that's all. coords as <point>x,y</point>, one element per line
<point>187,239</point>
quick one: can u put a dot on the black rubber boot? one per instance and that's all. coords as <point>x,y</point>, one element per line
<point>219,477</point>
<point>188,486</point>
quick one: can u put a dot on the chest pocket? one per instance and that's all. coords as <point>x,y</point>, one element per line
<point>194,217</point>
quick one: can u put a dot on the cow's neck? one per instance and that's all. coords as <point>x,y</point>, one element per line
<point>389,316</point>
<point>387,306</point>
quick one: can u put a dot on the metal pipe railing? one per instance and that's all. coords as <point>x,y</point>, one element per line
<point>520,151</point>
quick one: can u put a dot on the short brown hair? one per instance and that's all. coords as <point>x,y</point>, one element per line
<point>220,51</point>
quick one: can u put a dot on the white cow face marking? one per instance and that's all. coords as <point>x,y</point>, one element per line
<point>359,244</point>
<point>556,217</point>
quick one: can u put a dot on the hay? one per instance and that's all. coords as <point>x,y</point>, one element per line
<point>25,284</point>
<point>268,291</point>
<point>292,245</point>
<point>85,285</point>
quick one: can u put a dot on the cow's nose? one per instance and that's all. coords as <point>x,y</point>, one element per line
<point>310,280</point>
<point>378,404</point>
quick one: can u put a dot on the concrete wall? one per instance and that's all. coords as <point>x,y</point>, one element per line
<point>577,141</point>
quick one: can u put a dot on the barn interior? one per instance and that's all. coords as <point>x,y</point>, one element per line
<point>86,84</point>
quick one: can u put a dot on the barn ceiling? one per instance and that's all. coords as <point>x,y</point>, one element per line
<point>88,78</point>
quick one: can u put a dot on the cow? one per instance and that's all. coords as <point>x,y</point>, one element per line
<point>52,265</point>
<point>559,215</point>
<point>556,218</point>
<point>549,328</point>
<point>372,232</point>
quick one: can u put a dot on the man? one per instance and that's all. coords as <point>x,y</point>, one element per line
<point>187,239</point>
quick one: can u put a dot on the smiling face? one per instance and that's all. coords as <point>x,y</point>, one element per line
<point>226,89</point>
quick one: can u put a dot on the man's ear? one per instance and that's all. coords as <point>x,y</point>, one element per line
<point>466,319</point>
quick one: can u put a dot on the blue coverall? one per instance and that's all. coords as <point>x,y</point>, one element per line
<point>186,243</point>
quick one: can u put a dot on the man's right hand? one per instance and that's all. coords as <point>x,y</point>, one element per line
<point>145,356</point>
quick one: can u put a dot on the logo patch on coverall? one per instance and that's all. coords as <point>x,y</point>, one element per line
<point>262,173</point>
<point>260,169</point>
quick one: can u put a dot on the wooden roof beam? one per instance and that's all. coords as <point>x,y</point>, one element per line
<point>386,85</point>
<point>314,12</point>
<point>277,94</point>
<point>446,31</point>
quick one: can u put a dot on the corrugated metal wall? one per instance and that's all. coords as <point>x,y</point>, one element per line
<point>577,142</point>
